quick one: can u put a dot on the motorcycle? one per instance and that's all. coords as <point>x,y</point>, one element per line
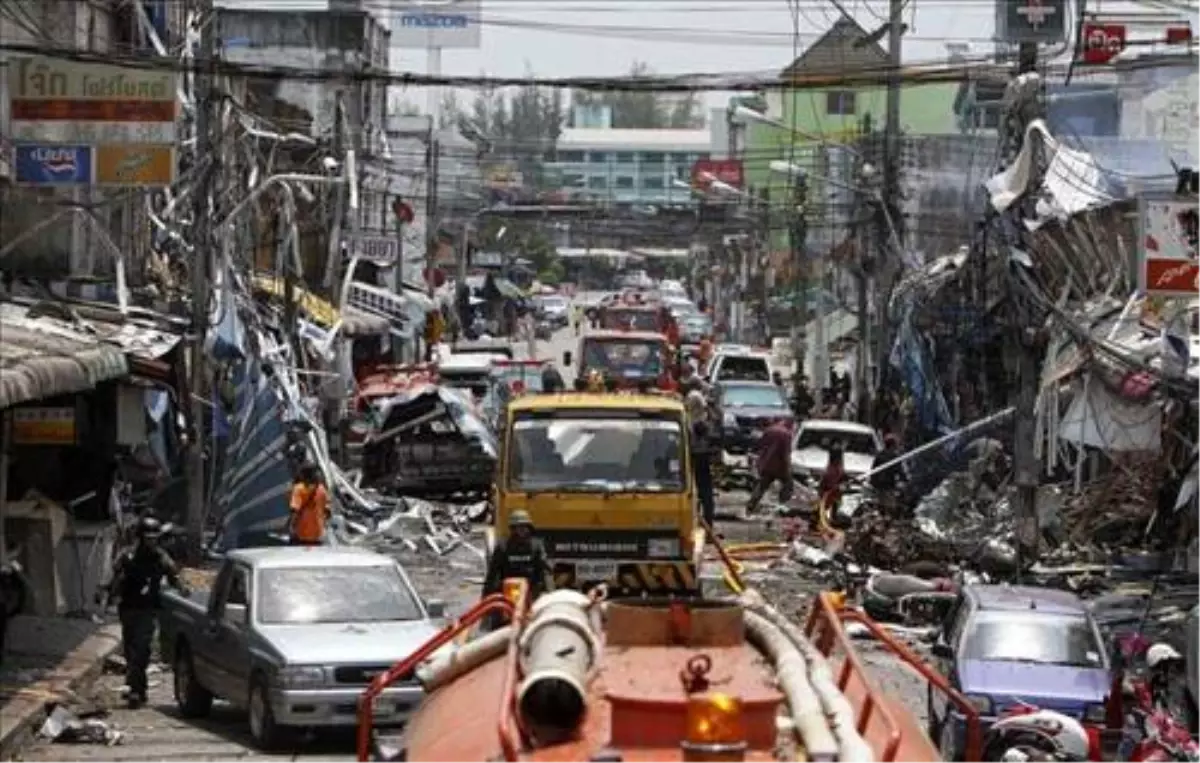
<point>908,599</point>
<point>1152,730</point>
<point>1028,733</point>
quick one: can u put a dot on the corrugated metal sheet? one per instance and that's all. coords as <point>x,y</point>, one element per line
<point>42,357</point>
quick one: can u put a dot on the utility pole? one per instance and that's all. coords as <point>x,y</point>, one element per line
<point>888,213</point>
<point>797,233</point>
<point>206,118</point>
<point>1025,90</point>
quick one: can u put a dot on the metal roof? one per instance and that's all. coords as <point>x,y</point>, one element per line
<point>42,357</point>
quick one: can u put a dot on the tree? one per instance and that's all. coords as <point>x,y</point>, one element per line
<point>645,110</point>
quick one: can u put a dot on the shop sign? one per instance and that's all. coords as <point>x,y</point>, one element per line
<point>1167,262</point>
<point>43,426</point>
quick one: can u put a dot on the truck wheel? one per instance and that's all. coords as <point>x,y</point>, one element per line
<point>265,733</point>
<point>193,700</point>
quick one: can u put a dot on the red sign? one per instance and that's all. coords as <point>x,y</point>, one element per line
<point>1172,277</point>
<point>728,171</point>
<point>1169,261</point>
<point>1102,42</point>
<point>402,211</point>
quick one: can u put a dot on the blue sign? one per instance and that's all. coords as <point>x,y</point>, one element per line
<point>435,20</point>
<point>53,165</point>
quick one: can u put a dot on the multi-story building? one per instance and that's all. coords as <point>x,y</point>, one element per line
<point>627,166</point>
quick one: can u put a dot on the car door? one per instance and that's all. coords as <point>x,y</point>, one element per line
<point>229,632</point>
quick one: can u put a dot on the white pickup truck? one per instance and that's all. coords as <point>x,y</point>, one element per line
<point>294,635</point>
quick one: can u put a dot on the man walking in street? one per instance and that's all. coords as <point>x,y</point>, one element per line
<point>520,555</point>
<point>309,508</point>
<point>701,455</point>
<point>774,464</point>
<point>137,586</point>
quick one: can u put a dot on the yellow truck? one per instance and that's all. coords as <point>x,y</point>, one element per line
<point>607,482</point>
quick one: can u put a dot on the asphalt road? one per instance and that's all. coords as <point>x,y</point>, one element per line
<point>156,732</point>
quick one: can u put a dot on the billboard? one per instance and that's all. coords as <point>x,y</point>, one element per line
<point>728,171</point>
<point>436,23</point>
<point>40,164</point>
<point>58,101</point>
<point>1167,264</point>
<point>124,166</point>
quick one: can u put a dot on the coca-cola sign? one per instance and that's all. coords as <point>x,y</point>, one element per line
<point>1168,265</point>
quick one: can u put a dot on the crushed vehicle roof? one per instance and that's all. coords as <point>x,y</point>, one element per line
<point>583,400</point>
<point>308,556</point>
<point>1026,599</point>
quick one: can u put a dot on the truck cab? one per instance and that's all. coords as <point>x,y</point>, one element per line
<point>607,482</point>
<point>630,357</point>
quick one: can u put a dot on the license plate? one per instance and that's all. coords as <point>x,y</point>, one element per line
<point>595,572</point>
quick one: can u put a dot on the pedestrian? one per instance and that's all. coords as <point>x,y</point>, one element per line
<point>520,555</point>
<point>802,399</point>
<point>830,487</point>
<point>774,463</point>
<point>701,453</point>
<point>309,508</point>
<point>690,381</point>
<point>552,381</point>
<point>886,480</point>
<point>777,380</point>
<point>137,585</point>
<point>577,318</point>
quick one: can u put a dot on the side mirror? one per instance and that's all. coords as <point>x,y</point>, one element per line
<point>236,614</point>
<point>567,358</point>
<point>436,608</point>
<point>942,651</point>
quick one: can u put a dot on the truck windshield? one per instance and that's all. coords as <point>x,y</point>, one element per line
<point>309,595</point>
<point>633,320</point>
<point>626,358</point>
<point>596,455</point>
<point>1034,638</point>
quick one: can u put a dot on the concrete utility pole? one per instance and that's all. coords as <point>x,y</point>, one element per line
<point>206,118</point>
<point>1026,105</point>
<point>888,213</point>
<point>797,233</point>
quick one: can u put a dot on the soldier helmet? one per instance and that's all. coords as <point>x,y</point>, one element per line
<point>519,518</point>
<point>149,527</point>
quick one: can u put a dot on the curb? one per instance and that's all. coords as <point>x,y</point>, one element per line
<point>21,716</point>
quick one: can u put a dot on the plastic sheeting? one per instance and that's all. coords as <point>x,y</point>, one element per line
<point>1099,419</point>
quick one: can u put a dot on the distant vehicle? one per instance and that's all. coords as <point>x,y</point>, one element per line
<point>745,409</point>
<point>483,347</point>
<point>468,372</point>
<point>294,635</point>
<point>695,327</point>
<point>1006,645</point>
<point>810,451</point>
<point>739,365</point>
<point>630,357</point>
<point>670,288</point>
<point>555,309</point>
<point>678,304</point>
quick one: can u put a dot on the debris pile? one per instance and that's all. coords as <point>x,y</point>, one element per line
<point>85,728</point>
<point>1114,508</point>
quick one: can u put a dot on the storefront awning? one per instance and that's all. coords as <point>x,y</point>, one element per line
<point>42,357</point>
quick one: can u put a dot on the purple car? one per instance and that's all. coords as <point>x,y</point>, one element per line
<point>1007,645</point>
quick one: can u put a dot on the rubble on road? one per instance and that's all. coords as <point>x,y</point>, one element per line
<point>62,725</point>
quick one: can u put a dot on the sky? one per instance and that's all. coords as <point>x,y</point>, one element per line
<point>605,37</point>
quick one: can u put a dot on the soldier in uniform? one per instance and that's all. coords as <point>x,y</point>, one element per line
<point>137,585</point>
<point>521,555</point>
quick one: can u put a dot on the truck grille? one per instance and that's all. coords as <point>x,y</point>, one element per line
<point>600,544</point>
<point>361,675</point>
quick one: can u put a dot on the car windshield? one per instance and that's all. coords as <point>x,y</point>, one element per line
<point>308,595</point>
<point>476,382</point>
<point>626,358</point>
<point>634,320</point>
<point>852,442</point>
<point>734,367</point>
<point>598,453</point>
<point>529,376</point>
<point>554,303</point>
<point>1031,637</point>
<point>752,397</point>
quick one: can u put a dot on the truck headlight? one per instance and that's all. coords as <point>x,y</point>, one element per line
<point>663,548</point>
<point>729,420</point>
<point>299,676</point>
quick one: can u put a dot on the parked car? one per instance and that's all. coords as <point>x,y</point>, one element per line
<point>745,409</point>
<point>810,452</point>
<point>739,364</point>
<point>554,309</point>
<point>294,635</point>
<point>1007,645</point>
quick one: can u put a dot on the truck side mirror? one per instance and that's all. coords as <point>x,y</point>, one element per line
<point>235,614</point>
<point>567,358</point>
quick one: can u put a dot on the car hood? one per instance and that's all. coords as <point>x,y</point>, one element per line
<point>754,412</point>
<point>1031,682</point>
<point>815,460</point>
<point>347,643</point>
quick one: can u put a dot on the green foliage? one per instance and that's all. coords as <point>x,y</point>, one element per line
<point>646,110</point>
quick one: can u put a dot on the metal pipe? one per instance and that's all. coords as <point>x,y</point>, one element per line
<point>557,651</point>
<point>444,669</point>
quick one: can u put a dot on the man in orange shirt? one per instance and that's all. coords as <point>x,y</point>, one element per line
<point>309,508</point>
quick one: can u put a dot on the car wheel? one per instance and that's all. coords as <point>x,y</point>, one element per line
<point>192,699</point>
<point>266,734</point>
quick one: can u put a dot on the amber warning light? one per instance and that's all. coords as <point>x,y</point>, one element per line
<point>714,729</point>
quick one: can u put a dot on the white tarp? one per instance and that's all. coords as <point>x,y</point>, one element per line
<point>1099,419</point>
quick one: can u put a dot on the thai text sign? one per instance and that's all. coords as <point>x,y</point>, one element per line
<point>104,165</point>
<point>384,250</point>
<point>54,101</point>
<point>1102,42</point>
<point>1167,263</point>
